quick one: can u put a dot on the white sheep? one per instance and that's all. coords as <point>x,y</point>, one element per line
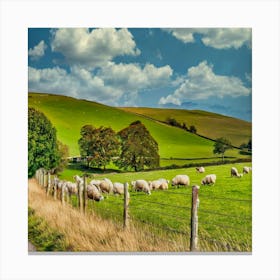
<point>93,193</point>
<point>180,180</point>
<point>141,185</point>
<point>246,169</point>
<point>200,169</point>
<point>209,179</point>
<point>72,187</point>
<point>161,184</point>
<point>234,173</point>
<point>106,186</point>
<point>118,188</point>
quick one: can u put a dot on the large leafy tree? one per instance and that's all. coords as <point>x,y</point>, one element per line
<point>42,142</point>
<point>99,145</point>
<point>139,149</point>
<point>221,146</point>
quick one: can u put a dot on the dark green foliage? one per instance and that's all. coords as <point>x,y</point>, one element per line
<point>221,146</point>
<point>98,145</point>
<point>63,152</point>
<point>192,129</point>
<point>139,148</point>
<point>42,143</point>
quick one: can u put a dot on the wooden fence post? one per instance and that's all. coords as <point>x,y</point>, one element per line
<point>55,187</point>
<point>80,196</point>
<point>126,207</point>
<point>49,183</point>
<point>194,220</point>
<point>85,193</point>
<point>43,181</point>
<point>63,194</point>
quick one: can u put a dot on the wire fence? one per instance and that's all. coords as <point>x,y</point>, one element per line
<point>217,228</point>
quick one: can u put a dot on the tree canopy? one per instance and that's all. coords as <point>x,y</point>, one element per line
<point>138,148</point>
<point>221,146</point>
<point>42,143</point>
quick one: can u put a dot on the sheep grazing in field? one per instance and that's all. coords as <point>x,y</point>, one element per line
<point>200,169</point>
<point>209,179</point>
<point>93,193</point>
<point>78,179</point>
<point>160,184</point>
<point>141,185</point>
<point>106,186</point>
<point>234,173</point>
<point>180,180</point>
<point>72,187</point>
<point>246,169</point>
<point>118,188</point>
<point>95,182</point>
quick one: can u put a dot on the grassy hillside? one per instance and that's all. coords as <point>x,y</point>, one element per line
<point>68,115</point>
<point>208,124</point>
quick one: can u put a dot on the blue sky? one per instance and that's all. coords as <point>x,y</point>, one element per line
<point>184,68</point>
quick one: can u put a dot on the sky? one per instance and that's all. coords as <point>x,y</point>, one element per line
<point>185,68</point>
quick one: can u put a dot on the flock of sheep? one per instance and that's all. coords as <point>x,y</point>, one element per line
<point>95,188</point>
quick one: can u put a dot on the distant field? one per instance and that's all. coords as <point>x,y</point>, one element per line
<point>208,124</point>
<point>68,115</point>
<point>225,210</point>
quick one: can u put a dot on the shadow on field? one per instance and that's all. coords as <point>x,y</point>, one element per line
<point>83,168</point>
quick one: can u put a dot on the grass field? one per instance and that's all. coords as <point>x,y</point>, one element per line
<point>208,124</point>
<point>68,115</point>
<point>225,210</point>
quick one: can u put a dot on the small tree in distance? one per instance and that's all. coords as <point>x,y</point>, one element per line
<point>221,146</point>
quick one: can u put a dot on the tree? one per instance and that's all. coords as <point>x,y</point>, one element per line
<point>63,151</point>
<point>192,129</point>
<point>98,145</point>
<point>105,147</point>
<point>138,148</point>
<point>221,146</point>
<point>42,142</point>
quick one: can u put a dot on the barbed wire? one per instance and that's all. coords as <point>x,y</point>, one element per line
<point>225,226</point>
<point>164,204</point>
<point>224,198</point>
<point>223,214</point>
<point>155,211</point>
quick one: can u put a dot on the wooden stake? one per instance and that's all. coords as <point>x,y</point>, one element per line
<point>194,220</point>
<point>126,207</point>
<point>85,193</point>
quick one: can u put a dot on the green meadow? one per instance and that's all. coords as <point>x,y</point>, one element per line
<point>68,115</point>
<point>224,214</point>
<point>208,124</point>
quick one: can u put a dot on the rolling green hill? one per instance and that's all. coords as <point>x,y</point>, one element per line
<point>207,124</point>
<point>68,115</point>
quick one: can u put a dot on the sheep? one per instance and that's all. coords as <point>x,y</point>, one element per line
<point>200,169</point>
<point>78,179</point>
<point>161,184</point>
<point>180,180</point>
<point>72,187</point>
<point>246,169</point>
<point>141,185</point>
<point>209,179</point>
<point>118,188</point>
<point>106,186</point>
<point>93,193</point>
<point>95,182</point>
<point>234,173</point>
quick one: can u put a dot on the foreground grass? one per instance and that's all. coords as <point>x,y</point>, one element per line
<point>91,233</point>
<point>225,211</point>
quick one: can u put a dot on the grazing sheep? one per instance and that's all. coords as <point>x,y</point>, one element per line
<point>106,186</point>
<point>141,185</point>
<point>118,188</point>
<point>93,193</point>
<point>78,179</point>
<point>72,187</point>
<point>95,182</point>
<point>234,173</point>
<point>209,179</point>
<point>200,169</point>
<point>160,184</point>
<point>180,180</point>
<point>246,169</point>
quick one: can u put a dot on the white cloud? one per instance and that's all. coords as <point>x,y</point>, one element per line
<point>131,77</point>
<point>202,83</point>
<point>38,50</point>
<point>108,85</point>
<point>95,48</point>
<point>219,38</point>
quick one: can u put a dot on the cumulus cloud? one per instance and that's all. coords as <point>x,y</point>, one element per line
<point>108,85</point>
<point>202,83</point>
<point>219,38</point>
<point>38,50</point>
<point>94,48</point>
<point>130,77</point>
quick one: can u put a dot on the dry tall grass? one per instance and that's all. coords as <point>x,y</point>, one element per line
<point>90,233</point>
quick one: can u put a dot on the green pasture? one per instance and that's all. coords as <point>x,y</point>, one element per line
<point>68,115</point>
<point>224,214</point>
<point>208,124</point>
